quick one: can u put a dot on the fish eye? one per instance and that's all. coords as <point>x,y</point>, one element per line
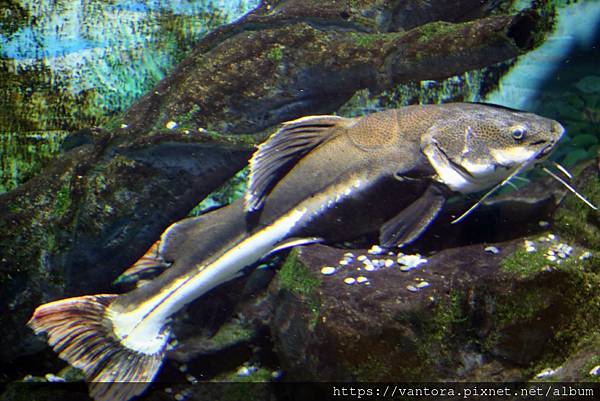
<point>518,133</point>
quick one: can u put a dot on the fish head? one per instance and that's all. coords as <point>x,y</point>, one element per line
<point>473,146</point>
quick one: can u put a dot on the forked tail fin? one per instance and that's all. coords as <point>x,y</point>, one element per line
<point>81,331</point>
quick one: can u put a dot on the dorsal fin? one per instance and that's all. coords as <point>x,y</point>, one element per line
<point>278,154</point>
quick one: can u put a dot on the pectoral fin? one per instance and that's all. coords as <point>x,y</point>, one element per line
<point>408,225</point>
<point>292,242</point>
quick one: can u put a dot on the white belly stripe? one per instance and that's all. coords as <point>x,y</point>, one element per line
<point>140,329</point>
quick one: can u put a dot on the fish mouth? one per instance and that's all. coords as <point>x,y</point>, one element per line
<point>545,151</point>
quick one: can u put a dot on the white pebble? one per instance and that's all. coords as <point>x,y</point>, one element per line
<point>53,378</point>
<point>551,237</point>
<point>375,250</point>
<point>406,268</point>
<point>327,270</point>
<point>183,368</point>
<point>389,263</point>
<point>349,280</point>
<point>179,397</point>
<point>124,126</point>
<point>595,370</point>
<point>423,284</point>
<point>361,279</point>
<point>543,224</point>
<point>492,249</point>
<point>545,373</point>
<point>369,267</point>
<point>585,255</point>
<point>531,249</point>
<point>191,379</point>
<point>412,288</point>
<point>361,258</point>
<point>551,258</point>
<point>343,262</point>
<point>244,371</point>
<point>168,390</point>
<point>349,255</point>
<point>564,248</point>
<point>171,125</point>
<point>411,260</point>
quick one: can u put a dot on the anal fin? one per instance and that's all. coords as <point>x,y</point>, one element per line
<point>410,223</point>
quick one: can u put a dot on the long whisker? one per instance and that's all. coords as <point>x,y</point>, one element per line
<point>563,170</point>
<point>570,188</point>
<point>490,192</point>
<point>527,180</point>
<point>512,185</point>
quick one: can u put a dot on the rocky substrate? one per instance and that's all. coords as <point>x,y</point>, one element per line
<point>482,312</point>
<point>521,309</point>
<point>462,314</point>
<point>100,205</point>
<point>525,308</point>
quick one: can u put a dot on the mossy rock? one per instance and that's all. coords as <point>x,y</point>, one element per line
<point>474,320</point>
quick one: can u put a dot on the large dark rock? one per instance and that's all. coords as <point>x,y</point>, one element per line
<point>73,229</point>
<point>276,65</point>
<point>476,320</point>
<point>505,313</point>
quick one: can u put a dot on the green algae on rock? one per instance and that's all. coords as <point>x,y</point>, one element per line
<point>25,153</point>
<point>295,278</point>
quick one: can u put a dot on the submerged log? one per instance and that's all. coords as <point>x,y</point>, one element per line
<point>98,207</point>
<point>264,72</point>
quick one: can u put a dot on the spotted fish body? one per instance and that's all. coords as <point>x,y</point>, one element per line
<point>317,179</point>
